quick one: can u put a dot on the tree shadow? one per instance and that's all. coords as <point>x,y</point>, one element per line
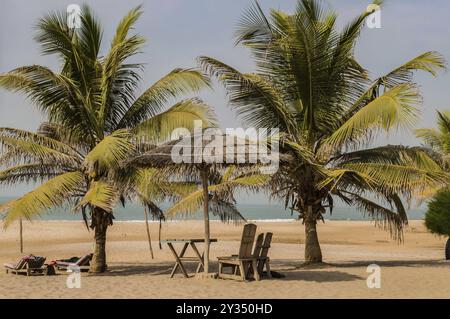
<point>320,276</point>
<point>290,269</point>
<point>163,268</point>
<point>392,263</point>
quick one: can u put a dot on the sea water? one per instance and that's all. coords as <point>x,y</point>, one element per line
<point>270,211</point>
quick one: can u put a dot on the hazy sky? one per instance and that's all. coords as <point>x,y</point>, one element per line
<point>178,31</point>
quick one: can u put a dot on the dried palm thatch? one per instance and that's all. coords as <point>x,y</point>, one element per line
<point>199,154</point>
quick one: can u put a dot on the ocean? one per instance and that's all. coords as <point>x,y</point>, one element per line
<point>251,211</point>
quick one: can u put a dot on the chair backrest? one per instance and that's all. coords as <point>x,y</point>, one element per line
<point>266,245</point>
<point>36,262</point>
<point>248,237</point>
<point>84,261</point>
<point>22,263</point>
<point>258,245</point>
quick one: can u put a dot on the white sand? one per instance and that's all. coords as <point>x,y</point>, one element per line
<point>415,269</point>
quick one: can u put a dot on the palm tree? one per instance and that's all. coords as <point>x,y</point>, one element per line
<point>309,85</point>
<point>95,121</point>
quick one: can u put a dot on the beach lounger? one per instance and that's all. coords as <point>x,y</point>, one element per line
<point>29,265</point>
<point>82,262</point>
<point>244,260</point>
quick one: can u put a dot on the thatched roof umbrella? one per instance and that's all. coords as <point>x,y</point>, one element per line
<point>197,155</point>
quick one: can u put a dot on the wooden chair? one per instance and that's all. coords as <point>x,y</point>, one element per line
<point>243,260</point>
<point>263,256</point>
<point>28,265</point>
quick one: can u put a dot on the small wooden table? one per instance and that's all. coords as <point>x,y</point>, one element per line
<point>180,258</point>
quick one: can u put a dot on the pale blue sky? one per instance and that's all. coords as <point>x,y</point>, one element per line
<point>178,31</point>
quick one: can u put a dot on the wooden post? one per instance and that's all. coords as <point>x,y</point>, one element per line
<point>159,233</point>
<point>204,175</point>
<point>21,235</point>
<point>148,232</point>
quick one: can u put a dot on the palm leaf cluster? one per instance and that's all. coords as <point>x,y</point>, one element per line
<point>309,84</point>
<point>223,183</point>
<point>95,120</point>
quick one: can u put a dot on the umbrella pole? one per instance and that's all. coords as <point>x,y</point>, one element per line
<point>204,175</point>
<point>21,235</point>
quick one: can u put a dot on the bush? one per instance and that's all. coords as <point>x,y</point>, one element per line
<point>437,218</point>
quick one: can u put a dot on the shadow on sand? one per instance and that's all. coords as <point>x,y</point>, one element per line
<point>291,270</point>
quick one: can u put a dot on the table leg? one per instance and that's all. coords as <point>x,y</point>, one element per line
<point>178,261</point>
<point>201,258</point>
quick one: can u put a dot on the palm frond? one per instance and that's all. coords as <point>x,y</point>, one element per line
<point>394,109</point>
<point>384,217</point>
<point>27,147</point>
<point>153,101</point>
<point>100,194</point>
<point>53,193</point>
<point>182,115</point>
<point>110,151</point>
<point>30,173</point>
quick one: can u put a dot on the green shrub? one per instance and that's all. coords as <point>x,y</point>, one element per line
<point>437,218</point>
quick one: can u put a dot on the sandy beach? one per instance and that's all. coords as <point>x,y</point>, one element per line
<point>414,269</point>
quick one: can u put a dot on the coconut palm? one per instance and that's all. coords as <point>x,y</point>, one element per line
<point>309,84</point>
<point>96,119</point>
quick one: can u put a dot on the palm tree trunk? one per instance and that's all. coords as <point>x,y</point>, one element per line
<point>159,234</point>
<point>204,174</point>
<point>447,250</point>
<point>21,235</point>
<point>148,232</point>
<point>313,253</point>
<point>100,222</point>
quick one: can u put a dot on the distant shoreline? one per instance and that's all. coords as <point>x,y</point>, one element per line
<point>212,221</point>
<point>133,212</point>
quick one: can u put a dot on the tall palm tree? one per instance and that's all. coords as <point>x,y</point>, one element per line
<point>309,85</point>
<point>95,120</point>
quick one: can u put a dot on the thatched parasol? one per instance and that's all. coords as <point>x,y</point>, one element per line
<point>197,155</point>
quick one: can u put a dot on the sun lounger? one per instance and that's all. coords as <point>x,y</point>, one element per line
<point>83,263</point>
<point>29,265</point>
<point>244,260</point>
